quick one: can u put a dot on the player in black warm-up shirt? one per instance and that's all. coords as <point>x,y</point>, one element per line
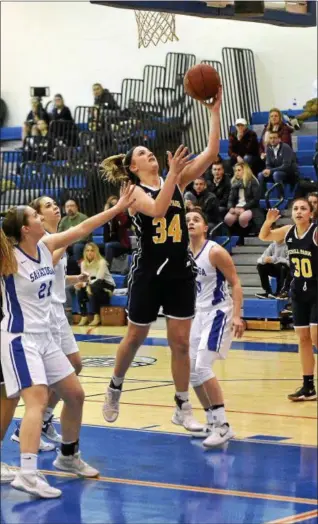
<point>302,243</point>
<point>162,272</point>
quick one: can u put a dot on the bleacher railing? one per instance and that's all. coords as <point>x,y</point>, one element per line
<point>153,111</point>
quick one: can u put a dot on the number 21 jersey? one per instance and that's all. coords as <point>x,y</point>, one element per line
<point>26,295</point>
<point>303,257</point>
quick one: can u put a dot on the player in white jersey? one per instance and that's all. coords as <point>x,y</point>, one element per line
<point>31,360</point>
<point>60,328</point>
<point>217,319</point>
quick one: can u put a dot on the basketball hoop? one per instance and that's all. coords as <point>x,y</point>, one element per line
<point>154,27</point>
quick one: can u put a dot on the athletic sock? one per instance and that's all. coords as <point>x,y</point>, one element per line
<point>116,382</point>
<point>29,462</point>
<point>69,448</point>
<point>181,397</point>
<point>48,414</point>
<point>309,382</point>
<point>219,415</point>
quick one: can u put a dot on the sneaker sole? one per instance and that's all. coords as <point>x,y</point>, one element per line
<point>55,441</point>
<point>110,420</point>
<point>225,439</point>
<point>15,439</point>
<point>73,470</point>
<point>303,399</point>
<point>20,487</point>
<point>8,480</point>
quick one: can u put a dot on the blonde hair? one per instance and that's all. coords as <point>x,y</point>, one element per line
<point>98,257</point>
<point>8,262</point>
<point>247,174</point>
<point>274,110</point>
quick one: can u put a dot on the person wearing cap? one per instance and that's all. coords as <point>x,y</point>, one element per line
<point>243,145</point>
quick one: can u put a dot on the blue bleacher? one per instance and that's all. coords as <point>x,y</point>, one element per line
<point>263,309</point>
<point>262,116</point>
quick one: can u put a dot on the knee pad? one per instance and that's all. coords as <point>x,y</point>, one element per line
<point>201,375</point>
<point>194,379</point>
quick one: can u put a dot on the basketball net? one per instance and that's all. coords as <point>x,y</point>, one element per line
<point>155,27</point>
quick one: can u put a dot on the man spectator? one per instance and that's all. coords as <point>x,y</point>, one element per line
<point>116,233</point>
<point>281,163</point>
<point>37,113</point>
<point>207,201</point>
<point>102,97</point>
<point>73,218</point>
<point>313,199</point>
<point>273,262</point>
<point>243,145</point>
<point>220,186</point>
<point>61,111</point>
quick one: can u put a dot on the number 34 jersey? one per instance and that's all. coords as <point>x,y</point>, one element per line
<point>303,257</point>
<point>165,239</point>
<point>26,295</point>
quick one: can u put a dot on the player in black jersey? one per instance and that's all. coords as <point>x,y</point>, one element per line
<point>301,240</point>
<point>162,272</point>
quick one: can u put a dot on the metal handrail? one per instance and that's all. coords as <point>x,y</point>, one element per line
<point>282,197</point>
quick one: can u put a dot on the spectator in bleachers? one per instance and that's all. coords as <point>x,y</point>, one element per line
<point>275,123</point>
<point>281,165</point>
<point>313,199</point>
<point>99,288</point>
<point>243,203</point>
<point>73,218</point>
<point>116,233</point>
<point>206,200</point>
<point>220,186</point>
<point>37,113</point>
<point>60,110</point>
<point>102,97</point>
<point>273,263</point>
<point>243,145</point>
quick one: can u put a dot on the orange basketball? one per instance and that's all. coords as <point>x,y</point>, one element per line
<point>202,82</point>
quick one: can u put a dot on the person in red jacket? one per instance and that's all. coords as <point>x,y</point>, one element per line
<point>116,233</point>
<point>275,123</point>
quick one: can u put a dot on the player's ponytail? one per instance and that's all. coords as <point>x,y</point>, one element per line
<point>8,262</point>
<point>116,169</point>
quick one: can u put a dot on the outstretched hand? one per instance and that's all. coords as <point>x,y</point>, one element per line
<point>217,101</point>
<point>126,199</point>
<point>272,216</point>
<point>178,161</point>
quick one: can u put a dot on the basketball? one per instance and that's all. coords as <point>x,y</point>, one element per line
<point>202,82</point>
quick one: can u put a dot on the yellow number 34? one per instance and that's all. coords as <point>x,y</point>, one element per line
<point>162,232</point>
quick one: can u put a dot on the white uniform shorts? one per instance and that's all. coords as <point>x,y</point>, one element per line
<point>31,359</point>
<point>211,333</point>
<point>61,330</point>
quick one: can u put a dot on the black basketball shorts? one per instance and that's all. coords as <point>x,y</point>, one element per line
<point>148,292</point>
<point>305,314</point>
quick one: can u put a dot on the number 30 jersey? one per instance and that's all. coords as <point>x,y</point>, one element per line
<point>163,240</point>
<point>27,294</point>
<point>303,257</point>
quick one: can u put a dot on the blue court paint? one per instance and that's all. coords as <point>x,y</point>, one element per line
<point>154,341</point>
<point>260,469</point>
<point>270,438</point>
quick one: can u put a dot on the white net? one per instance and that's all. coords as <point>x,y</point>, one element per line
<point>155,27</point>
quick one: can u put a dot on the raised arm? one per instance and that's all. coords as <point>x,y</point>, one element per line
<point>220,259</point>
<point>272,235</point>
<point>201,163</point>
<point>59,240</point>
<point>158,208</point>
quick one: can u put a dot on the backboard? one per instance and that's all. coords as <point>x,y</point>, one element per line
<point>275,13</point>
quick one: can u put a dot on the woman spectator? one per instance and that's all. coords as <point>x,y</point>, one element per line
<point>99,288</point>
<point>37,113</point>
<point>275,123</point>
<point>116,233</point>
<point>60,110</point>
<point>244,198</point>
